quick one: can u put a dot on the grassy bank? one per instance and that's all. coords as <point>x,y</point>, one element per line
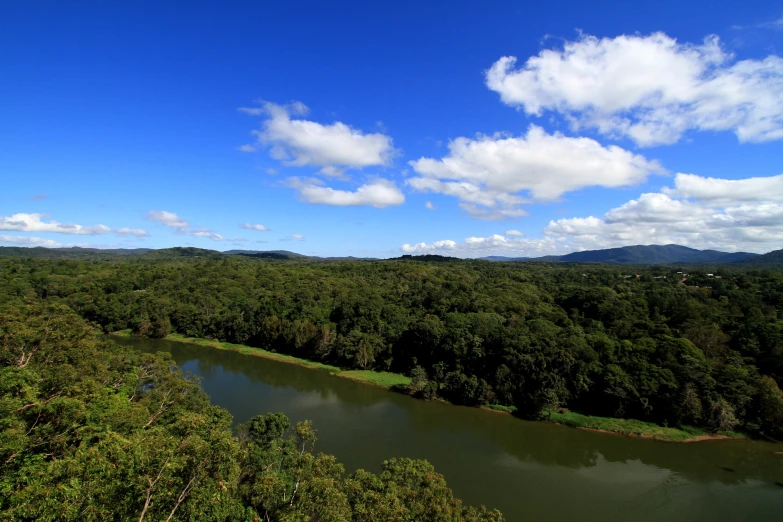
<point>628,427</point>
<point>383,379</point>
<point>637,428</point>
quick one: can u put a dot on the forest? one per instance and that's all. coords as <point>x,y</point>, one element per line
<point>678,346</point>
<point>91,431</point>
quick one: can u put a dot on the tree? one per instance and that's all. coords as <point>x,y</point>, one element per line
<point>770,407</point>
<point>418,379</point>
<point>722,416</point>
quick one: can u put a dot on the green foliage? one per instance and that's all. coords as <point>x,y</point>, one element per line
<point>661,348</point>
<point>91,431</point>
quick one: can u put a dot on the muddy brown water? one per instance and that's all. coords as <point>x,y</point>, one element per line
<point>531,471</point>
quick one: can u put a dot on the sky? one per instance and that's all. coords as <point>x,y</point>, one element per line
<point>376,129</point>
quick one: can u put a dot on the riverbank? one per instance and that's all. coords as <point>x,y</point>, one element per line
<point>627,427</point>
<point>385,380</point>
<point>389,381</point>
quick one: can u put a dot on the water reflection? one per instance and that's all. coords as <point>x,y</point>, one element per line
<point>529,470</point>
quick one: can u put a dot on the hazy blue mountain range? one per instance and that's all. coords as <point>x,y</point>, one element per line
<point>631,255</point>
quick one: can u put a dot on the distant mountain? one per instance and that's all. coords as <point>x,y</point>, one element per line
<point>71,252</point>
<point>506,259</point>
<point>169,253</point>
<point>630,255</point>
<point>642,255</point>
<point>655,255</point>
<point>266,254</point>
<point>428,257</point>
<point>771,258</point>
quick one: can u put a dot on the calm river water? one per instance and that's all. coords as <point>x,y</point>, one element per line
<point>529,470</point>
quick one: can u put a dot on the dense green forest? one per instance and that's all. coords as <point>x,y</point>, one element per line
<point>701,348</point>
<point>90,431</point>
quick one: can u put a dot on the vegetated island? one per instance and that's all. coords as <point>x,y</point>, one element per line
<point>694,348</point>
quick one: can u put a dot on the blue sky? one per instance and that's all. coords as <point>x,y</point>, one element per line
<point>382,128</point>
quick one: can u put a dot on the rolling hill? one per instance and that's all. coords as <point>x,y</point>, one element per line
<point>630,255</point>
<point>642,255</point>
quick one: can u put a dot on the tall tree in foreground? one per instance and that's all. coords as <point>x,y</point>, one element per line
<point>90,431</point>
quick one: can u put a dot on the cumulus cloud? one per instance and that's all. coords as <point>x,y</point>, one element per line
<point>429,206</point>
<point>493,175</point>
<point>651,89</point>
<point>28,241</point>
<point>692,213</point>
<point>209,234</point>
<point>728,191</point>
<point>260,228</point>
<point>182,226</point>
<point>424,248</point>
<point>293,237</point>
<point>378,193</point>
<point>496,244</point>
<point>136,232</point>
<point>698,211</point>
<point>36,223</point>
<point>514,233</point>
<point>170,219</point>
<point>331,147</point>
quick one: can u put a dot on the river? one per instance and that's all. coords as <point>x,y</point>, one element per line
<point>531,471</point>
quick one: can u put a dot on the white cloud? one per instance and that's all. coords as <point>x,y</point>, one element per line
<point>495,244</point>
<point>753,223</point>
<point>429,206</point>
<point>493,175</point>
<point>30,241</point>
<point>298,237</point>
<point>36,223</point>
<point>424,248</point>
<point>708,218</point>
<point>137,232</point>
<point>649,88</point>
<point>333,147</point>
<point>728,191</point>
<point>170,219</point>
<point>260,228</point>
<point>209,234</point>
<point>514,233</point>
<point>379,193</point>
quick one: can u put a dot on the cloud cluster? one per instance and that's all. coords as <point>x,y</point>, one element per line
<point>182,226</point>
<point>379,193</point>
<point>29,241</point>
<point>170,219</point>
<point>493,175</point>
<point>699,212</point>
<point>298,142</point>
<point>651,89</point>
<point>333,149</point>
<point>259,228</point>
<point>36,223</point>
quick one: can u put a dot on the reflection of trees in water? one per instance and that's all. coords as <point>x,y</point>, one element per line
<point>729,462</point>
<point>550,444</point>
<point>259,370</point>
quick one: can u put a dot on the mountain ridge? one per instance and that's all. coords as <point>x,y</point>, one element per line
<point>627,255</point>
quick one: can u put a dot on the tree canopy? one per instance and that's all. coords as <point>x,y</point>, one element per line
<point>699,346</point>
<point>90,431</point>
